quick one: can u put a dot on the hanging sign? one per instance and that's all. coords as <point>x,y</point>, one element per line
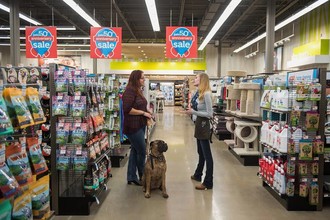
<point>41,42</point>
<point>105,42</point>
<point>181,42</point>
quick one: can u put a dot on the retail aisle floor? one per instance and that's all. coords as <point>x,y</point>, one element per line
<point>237,193</point>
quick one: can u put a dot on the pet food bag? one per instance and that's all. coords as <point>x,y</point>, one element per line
<point>17,108</point>
<point>5,124</point>
<point>23,207</point>
<point>32,97</point>
<point>40,198</point>
<point>5,210</point>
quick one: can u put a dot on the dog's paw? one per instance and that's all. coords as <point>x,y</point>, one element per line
<point>165,195</point>
<point>147,195</point>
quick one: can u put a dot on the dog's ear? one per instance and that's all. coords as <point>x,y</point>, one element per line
<point>151,144</point>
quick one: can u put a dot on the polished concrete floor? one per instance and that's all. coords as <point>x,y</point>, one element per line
<point>237,193</point>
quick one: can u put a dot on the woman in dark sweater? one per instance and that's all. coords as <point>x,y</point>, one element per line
<point>135,121</point>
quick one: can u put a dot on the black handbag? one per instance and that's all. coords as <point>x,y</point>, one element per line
<point>202,128</point>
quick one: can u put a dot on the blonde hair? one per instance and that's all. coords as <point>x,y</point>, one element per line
<point>204,85</point>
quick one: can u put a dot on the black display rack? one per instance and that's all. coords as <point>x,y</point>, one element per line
<point>68,195</point>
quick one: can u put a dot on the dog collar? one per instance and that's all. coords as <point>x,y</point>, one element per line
<point>159,158</point>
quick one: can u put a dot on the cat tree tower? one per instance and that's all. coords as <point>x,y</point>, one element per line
<point>233,91</point>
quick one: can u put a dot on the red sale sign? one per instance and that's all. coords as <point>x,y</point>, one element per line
<point>41,42</point>
<point>105,42</point>
<point>181,42</point>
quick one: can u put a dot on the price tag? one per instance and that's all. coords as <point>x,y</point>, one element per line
<point>62,150</point>
<point>77,98</point>
<point>291,180</point>
<point>314,108</point>
<point>296,108</point>
<point>316,158</point>
<point>78,151</point>
<point>304,180</point>
<point>315,179</point>
<point>114,134</point>
<point>115,114</point>
<point>293,158</point>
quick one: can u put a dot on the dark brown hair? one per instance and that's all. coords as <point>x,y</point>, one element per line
<point>134,81</point>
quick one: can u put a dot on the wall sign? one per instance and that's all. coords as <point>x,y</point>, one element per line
<point>41,42</point>
<point>105,42</point>
<point>181,42</point>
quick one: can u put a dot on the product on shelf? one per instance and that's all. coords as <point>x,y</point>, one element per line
<point>5,210</point>
<point>35,154</point>
<point>5,124</point>
<point>32,97</point>
<point>40,198</point>
<point>22,208</point>
<point>17,108</point>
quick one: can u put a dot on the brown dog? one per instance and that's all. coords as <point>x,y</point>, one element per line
<point>155,169</point>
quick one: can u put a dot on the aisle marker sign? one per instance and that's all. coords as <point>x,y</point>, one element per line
<point>181,42</point>
<point>105,42</point>
<point>41,42</point>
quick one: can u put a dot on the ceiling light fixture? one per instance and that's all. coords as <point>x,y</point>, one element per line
<point>66,50</point>
<point>283,23</point>
<point>73,45</point>
<point>22,16</point>
<point>69,28</point>
<point>58,38</point>
<point>152,10</point>
<point>82,13</point>
<point>223,17</point>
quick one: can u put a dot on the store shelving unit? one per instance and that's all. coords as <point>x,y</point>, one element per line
<point>326,195</point>
<point>185,93</point>
<point>178,93</point>
<point>297,180</point>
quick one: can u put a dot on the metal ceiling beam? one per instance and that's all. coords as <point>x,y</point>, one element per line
<point>124,19</point>
<point>235,25</point>
<point>244,39</point>
<point>181,12</point>
<point>63,16</point>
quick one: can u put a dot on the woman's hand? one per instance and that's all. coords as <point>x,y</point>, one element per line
<point>188,111</point>
<point>147,115</point>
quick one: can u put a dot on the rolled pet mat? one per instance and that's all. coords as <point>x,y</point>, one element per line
<point>230,125</point>
<point>249,86</point>
<point>236,73</point>
<point>247,134</point>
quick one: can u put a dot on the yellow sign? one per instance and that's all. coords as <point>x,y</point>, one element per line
<point>320,47</point>
<point>158,65</point>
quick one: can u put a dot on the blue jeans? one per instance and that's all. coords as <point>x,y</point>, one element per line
<point>205,154</point>
<point>137,155</point>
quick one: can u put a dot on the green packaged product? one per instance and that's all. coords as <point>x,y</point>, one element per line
<point>5,124</point>
<point>5,210</point>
